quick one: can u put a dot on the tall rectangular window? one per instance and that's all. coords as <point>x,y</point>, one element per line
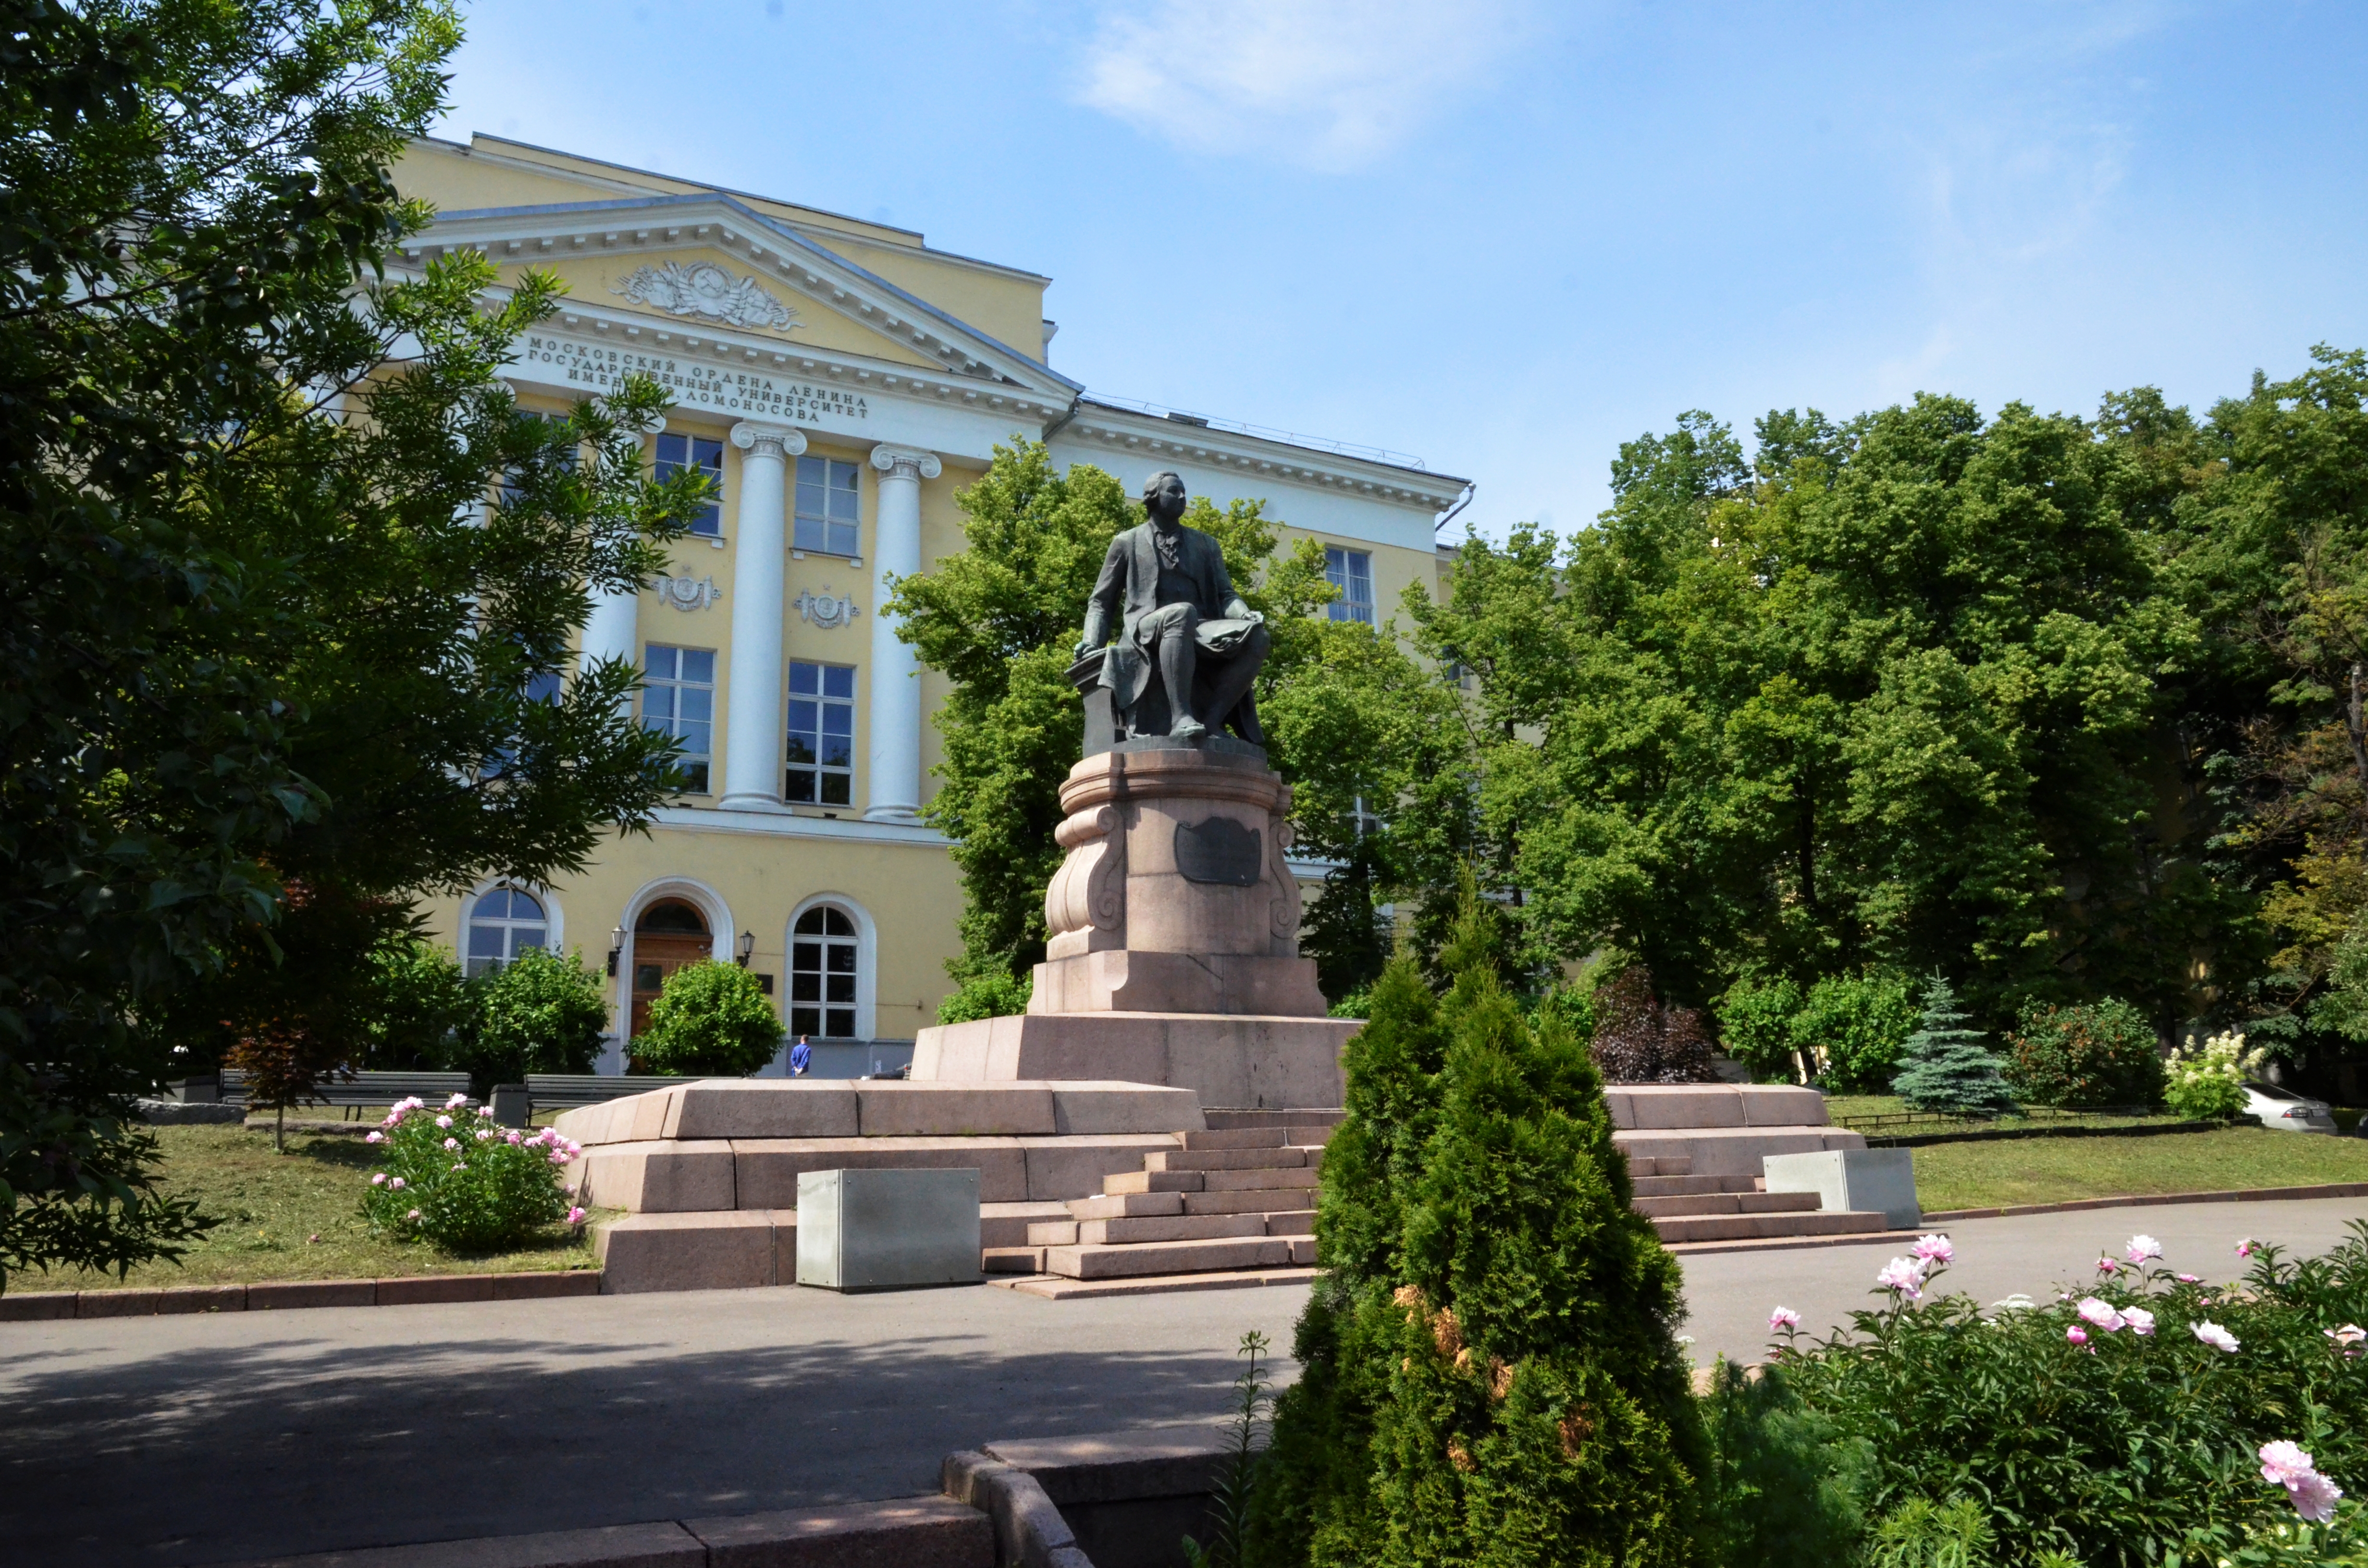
<point>1351,572</point>
<point>822,734</point>
<point>677,452</point>
<point>679,699</point>
<point>826,506</point>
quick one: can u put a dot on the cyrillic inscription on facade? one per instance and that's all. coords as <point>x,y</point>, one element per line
<point>598,367</point>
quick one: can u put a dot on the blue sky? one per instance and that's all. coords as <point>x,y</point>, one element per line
<point>1509,236</point>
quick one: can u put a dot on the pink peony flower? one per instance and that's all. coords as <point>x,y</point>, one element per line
<point>2245,1248</point>
<point>575,1216</point>
<point>1904,1274</point>
<point>2077,1335</point>
<point>485,1110</point>
<point>451,1142</point>
<point>396,1183</point>
<point>1934,1249</point>
<point>460,1167</point>
<point>443,1121</point>
<point>514,1137</point>
<point>2099,1314</point>
<point>456,1102</point>
<point>2212,1333</point>
<point>2107,1265</point>
<point>378,1178</point>
<point>482,1134</point>
<point>2348,1337</point>
<point>2137,1319</point>
<point>2283,1462</point>
<point>2141,1248</point>
<point>413,1215</point>
<point>375,1138</point>
<point>2314,1496</point>
<point>1782,1319</point>
<point>2191,1280</point>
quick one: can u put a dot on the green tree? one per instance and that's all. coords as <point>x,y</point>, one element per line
<point>539,1013</point>
<point>264,629</point>
<point>2093,1053</point>
<point>1492,1378</point>
<point>1946,1067</point>
<point>1754,1026</point>
<point>1891,698</point>
<point>416,1002</point>
<point>1861,1024</point>
<point>713,1020</point>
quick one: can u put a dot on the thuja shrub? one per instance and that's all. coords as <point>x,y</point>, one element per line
<point>454,1177</point>
<point>2098,1054</point>
<point>2144,1417</point>
<point>1489,1371</point>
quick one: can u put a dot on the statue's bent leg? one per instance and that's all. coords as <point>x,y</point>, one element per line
<point>1177,658</point>
<point>1229,683</point>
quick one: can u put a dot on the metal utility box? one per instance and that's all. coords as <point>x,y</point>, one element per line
<point>887,1230</point>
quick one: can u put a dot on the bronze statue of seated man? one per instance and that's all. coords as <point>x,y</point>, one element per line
<point>1178,618</point>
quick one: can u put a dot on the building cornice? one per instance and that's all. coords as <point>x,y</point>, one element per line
<point>651,225</point>
<point>787,824</point>
<point>1100,424</point>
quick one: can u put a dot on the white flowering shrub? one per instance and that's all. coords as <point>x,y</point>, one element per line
<point>2210,1081</point>
<point>453,1177</point>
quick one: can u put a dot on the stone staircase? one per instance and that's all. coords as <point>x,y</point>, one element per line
<point>1684,1207</point>
<point>1238,1195</point>
<point>1241,1196</point>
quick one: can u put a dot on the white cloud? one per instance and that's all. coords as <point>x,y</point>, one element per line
<point>1331,83</point>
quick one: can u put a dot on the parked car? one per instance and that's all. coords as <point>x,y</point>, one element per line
<point>2273,1107</point>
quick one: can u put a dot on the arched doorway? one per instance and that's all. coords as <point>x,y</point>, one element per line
<point>669,934</point>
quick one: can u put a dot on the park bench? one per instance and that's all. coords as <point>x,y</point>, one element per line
<point>565,1091</point>
<point>364,1089</point>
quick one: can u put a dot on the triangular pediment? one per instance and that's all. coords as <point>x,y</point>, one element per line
<point>705,267</point>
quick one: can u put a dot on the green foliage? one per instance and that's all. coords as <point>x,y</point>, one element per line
<point>2115,1452</point>
<point>1865,711</point>
<point>1231,1509</point>
<point>416,1003</point>
<point>1355,1004</point>
<point>2208,1081</point>
<point>712,1019</point>
<point>1638,1038</point>
<point>1781,1489</point>
<point>539,1013</point>
<point>1754,1026</point>
<point>453,1177</point>
<point>1946,1067</point>
<point>994,995</point>
<point>263,632</point>
<point>1345,933</point>
<point>1920,1533</point>
<point>1491,1375</point>
<point>2097,1054</point>
<point>1861,1024</point>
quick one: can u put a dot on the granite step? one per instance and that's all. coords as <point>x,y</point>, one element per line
<point>1268,1159</point>
<point>1728,1203</point>
<point>1218,1120</point>
<point>1297,1222</point>
<point>1237,1138</point>
<point>1254,1200</point>
<point>1108,1261</point>
<point>1746,1227</point>
<point>1680,1185</point>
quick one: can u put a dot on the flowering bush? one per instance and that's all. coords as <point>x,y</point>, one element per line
<point>2098,1054</point>
<point>2209,1082</point>
<point>2147,1416</point>
<point>453,1177</point>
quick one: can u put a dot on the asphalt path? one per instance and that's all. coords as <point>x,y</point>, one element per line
<point>213,1439</point>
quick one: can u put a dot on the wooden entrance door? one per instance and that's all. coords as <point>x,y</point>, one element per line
<point>668,935</point>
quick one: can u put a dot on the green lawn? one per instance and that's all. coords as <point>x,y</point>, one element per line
<point>292,1216</point>
<point>2053,1170</point>
<point>1841,1109</point>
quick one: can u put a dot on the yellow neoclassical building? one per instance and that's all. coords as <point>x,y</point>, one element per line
<point>842,381</point>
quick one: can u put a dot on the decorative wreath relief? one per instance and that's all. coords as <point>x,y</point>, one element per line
<point>704,289</point>
<point>827,610</point>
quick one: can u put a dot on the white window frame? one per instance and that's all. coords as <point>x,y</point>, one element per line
<point>555,920</point>
<point>702,525</point>
<point>1340,570</point>
<point>800,517</point>
<point>676,686</point>
<point>867,961</point>
<point>821,772</point>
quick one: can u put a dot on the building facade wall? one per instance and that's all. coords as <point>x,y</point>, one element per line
<point>886,366</point>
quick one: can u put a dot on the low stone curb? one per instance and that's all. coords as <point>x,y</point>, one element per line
<point>902,1532</point>
<point>1057,1287</point>
<point>2154,1200</point>
<point>1029,1530</point>
<point>288,1294</point>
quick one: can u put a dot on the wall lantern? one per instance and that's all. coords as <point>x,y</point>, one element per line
<point>616,945</point>
<point>747,946</point>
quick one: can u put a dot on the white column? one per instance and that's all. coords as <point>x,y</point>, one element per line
<point>753,757</point>
<point>614,630</point>
<point>895,721</point>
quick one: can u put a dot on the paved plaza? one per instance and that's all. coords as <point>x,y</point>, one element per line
<point>215,1439</point>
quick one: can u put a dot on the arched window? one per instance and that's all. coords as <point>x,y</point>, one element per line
<point>821,974</point>
<point>504,923</point>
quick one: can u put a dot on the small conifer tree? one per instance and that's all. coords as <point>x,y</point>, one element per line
<point>1945,1067</point>
<point>1490,1371</point>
